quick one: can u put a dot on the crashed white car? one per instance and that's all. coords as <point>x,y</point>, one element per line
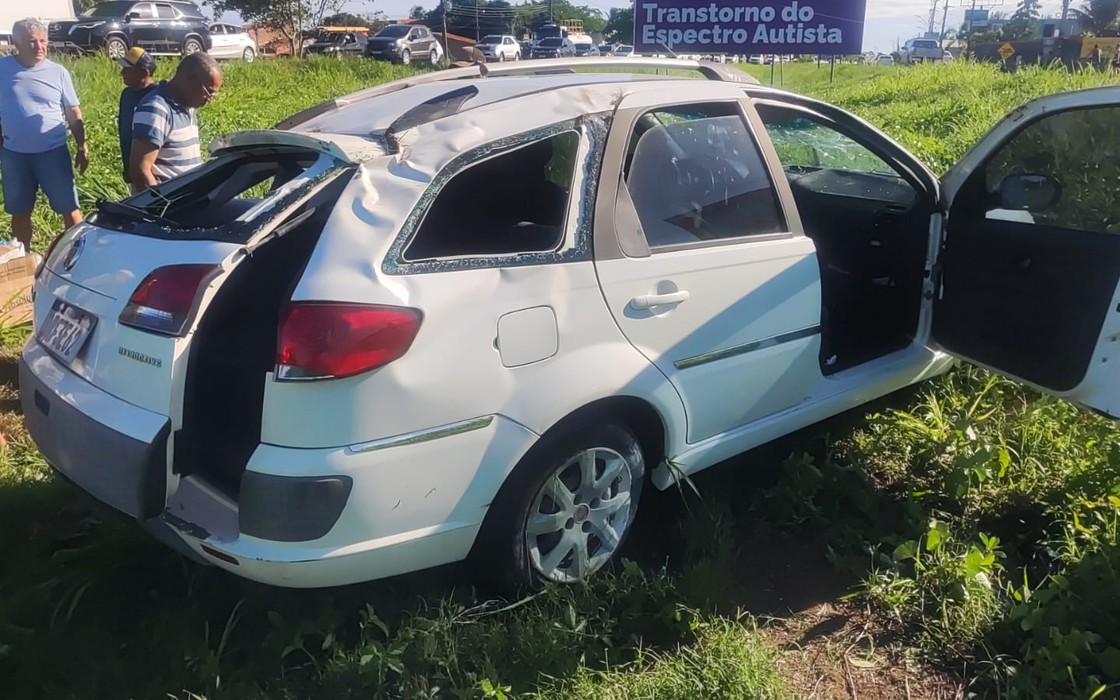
<point>474,313</point>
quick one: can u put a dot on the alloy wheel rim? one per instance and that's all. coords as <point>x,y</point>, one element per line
<point>579,515</point>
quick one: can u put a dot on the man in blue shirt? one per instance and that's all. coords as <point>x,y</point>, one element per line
<point>37,105</point>
<point>137,68</point>
<point>165,140</point>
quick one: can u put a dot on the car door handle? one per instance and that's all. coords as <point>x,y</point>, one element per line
<point>647,301</point>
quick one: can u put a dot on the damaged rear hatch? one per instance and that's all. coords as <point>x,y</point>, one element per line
<point>120,295</point>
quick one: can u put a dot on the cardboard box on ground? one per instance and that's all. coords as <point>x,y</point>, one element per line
<point>17,272</point>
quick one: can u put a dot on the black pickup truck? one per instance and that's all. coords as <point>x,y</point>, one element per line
<point>162,27</point>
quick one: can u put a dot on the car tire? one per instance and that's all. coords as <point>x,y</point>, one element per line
<point>116,47</point>
<point>433,56</point>
<point>406,57</point>
<point>249,54</point>
<point>566,509</point>
<point>191,45</point>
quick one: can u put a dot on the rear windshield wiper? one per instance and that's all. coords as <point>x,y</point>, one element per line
<point>127,210</point>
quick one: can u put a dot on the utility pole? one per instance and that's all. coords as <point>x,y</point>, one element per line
<point>1064,30</point>
<point>932,15</point>
<point>477,35</point>
<point>446,50</point>
<point>944,19</point>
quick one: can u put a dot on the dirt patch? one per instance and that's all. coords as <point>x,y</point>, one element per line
<point>834,650</point>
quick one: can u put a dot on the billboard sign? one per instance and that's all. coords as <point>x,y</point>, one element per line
<point>977,19</point>
<point>756,26</point>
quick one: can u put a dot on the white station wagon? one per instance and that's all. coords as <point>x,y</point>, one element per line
<point>474,313</point>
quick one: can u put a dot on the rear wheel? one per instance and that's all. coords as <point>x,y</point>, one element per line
<point>567,508</point>
<point>191,45</point>
<point>249,54</point>
<point>116,46</point>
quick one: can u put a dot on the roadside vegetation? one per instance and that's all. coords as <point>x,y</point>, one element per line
<point>957,539</point>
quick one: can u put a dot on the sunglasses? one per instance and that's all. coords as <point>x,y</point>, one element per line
<point>210,94</point>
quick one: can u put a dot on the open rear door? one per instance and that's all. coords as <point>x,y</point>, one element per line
<point>1030,263</point>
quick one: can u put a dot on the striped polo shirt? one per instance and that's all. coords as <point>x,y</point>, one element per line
<point>159,119</point>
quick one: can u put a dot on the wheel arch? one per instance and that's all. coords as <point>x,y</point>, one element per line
<point>197,37</point>
<point>634,413</point>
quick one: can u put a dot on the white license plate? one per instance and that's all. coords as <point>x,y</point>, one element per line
<point>66,330</point>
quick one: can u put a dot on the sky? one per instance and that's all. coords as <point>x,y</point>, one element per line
<point>889,21</point>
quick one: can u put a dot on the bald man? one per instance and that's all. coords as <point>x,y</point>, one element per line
<point>165,140</point>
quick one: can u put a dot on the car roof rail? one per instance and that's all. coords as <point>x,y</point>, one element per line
<point>548,66</point>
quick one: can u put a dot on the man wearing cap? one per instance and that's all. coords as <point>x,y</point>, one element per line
<point>37,106</point>
<point>137,68</point>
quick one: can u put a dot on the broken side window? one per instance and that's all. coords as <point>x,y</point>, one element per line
<point>512,202</point>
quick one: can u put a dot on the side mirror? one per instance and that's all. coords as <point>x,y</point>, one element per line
<point>131,16</point>
<point>1029,192</point>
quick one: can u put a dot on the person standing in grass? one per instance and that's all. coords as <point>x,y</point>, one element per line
<point>165,141</point>
<point>137,70</point>
<point>37,106</point>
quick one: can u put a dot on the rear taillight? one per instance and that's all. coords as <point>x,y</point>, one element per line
<point>165,300</point>
<point>323,340</point>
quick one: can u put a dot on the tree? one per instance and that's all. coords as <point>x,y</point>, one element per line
<point>620,25</point>
<point>345,19</point>
<point>1024,21</point>
<point>289,17</point>
<point>417,12</point>
<point>1098,15</point>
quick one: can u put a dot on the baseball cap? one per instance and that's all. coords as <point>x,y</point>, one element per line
<point>139,58</point>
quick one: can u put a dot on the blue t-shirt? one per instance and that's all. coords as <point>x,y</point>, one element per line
<point>31,104</point>
<point>160,120</point>
<point>129,99</point>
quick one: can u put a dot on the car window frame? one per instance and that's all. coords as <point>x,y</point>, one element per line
<point>151,9</point>
<point>171,8</point>
<point>780,187</point>
<point>578,234</point>
<point>904,163</point>
<point>903,173</point>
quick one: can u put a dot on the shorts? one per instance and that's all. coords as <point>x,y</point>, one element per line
<point>23,174</point>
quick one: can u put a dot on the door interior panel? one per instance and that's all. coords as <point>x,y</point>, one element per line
<point>1026,298</point>
<point>870,260</point>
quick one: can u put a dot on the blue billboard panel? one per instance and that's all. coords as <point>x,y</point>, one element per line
<point>754,26</point>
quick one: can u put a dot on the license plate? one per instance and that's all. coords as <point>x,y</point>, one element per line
<point>66,330</point>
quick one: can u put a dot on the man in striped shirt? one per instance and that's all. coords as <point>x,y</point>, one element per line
<point>165,139</point>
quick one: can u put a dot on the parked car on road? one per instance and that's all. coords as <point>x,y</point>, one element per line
<point>404,43</point>
<point>499,47</point>
<point>554,47</point>
<point>339,44</point>
<point>586,49</point>
<point>232,41</point>
<point>623,51</point>
<point>165,27</point>
<point>476,313</point>
<point>884,59</point>
<point>919,51</point>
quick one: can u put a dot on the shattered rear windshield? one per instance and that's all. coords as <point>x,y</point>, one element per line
<point>228,198</point>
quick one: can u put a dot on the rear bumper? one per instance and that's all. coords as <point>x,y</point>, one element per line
<point>414,504</point>
<point>120,457</point>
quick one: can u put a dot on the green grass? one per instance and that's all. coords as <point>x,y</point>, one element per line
<point>975,519</point>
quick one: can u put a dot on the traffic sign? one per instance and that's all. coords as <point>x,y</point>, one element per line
<point>1006,50</point>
